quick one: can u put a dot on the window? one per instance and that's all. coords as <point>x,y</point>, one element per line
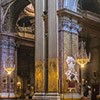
<point>71,4</point>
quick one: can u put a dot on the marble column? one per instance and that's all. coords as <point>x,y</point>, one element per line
<point>53,70</point>
<point>39,47</point>
<point>7,51</point>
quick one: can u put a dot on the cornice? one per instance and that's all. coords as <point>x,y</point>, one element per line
<point>91,16</point>
<point>25,41</point>
<point>69,13</point>
<point>91,21</point>
<point>87,19</point>
<point>79,15</point>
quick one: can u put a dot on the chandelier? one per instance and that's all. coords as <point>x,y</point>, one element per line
<point>9,68</point>
<point>82,57</point>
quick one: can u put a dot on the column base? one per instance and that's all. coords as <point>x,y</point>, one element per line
<point>46,96</point>
<point>7,95</point>
<point>70,96</point>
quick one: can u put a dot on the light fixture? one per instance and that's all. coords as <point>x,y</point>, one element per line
<point>82,57</point>
<point>19,84</point>
<point>9,70</point>
<point>9,67</point>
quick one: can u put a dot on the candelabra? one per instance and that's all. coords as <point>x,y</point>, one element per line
<point>82,58</point>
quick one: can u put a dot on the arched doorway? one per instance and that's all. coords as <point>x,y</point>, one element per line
<point>18,45</point>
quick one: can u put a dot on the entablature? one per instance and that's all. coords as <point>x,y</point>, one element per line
<point>69,13</point>
<point>91,16</point>
<point>25,41</point>
<point>89,21</point>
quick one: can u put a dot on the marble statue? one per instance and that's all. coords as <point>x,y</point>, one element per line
<point>71,73</point>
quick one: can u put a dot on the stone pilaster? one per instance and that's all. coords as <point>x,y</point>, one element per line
<point>7,51</point>
<point>68,46</point>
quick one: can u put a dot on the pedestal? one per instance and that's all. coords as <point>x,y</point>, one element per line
<point>71,96</point>
<point>7,95</point>
<point>46,96</point>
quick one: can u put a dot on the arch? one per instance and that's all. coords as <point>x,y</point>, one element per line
<point>25,25</point>
<point>12,13</point>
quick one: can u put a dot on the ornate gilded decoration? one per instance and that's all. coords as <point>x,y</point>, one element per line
<point>29,10</point>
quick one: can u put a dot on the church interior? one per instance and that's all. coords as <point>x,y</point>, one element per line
<point>50,49</point>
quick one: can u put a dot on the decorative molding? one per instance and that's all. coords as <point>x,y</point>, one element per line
<point>25,41</point>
